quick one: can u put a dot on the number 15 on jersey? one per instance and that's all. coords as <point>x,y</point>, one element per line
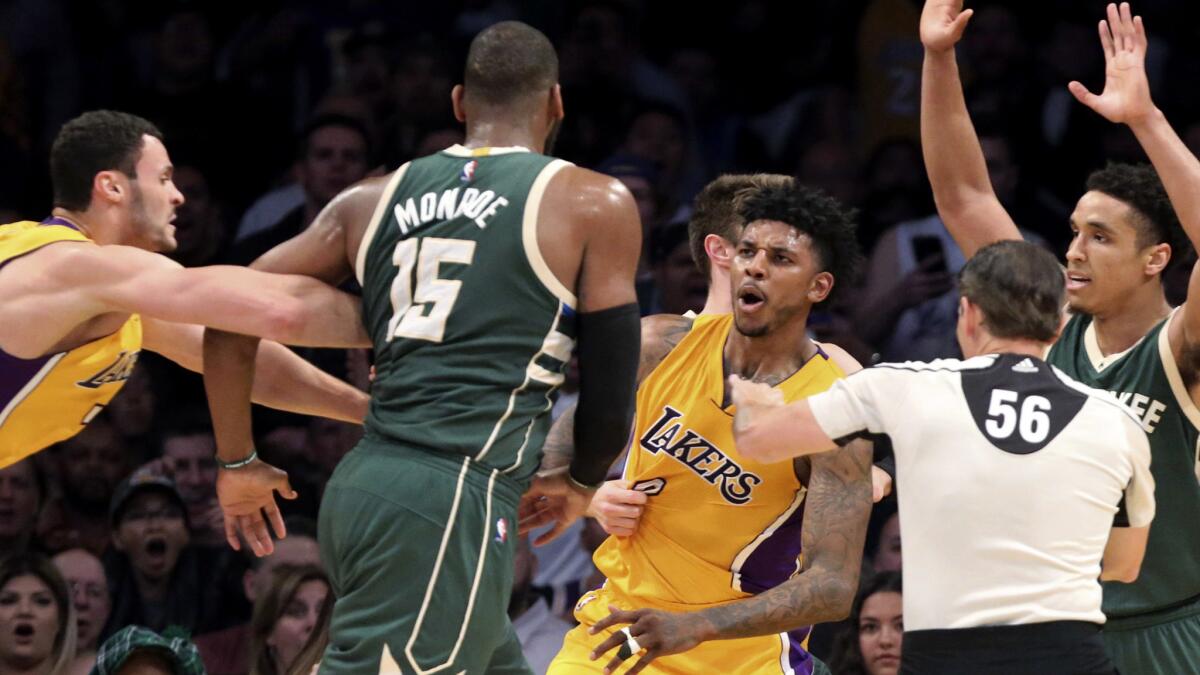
<point>410,318</point>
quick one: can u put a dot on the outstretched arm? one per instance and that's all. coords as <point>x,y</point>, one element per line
<point>287,308</point>
<point>954,159</point>
<point>323,251</point>
<point>1126,100</point>
<point>766,429</point>
<point>283,381</point>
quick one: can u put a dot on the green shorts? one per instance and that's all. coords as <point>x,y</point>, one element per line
<point>1161,643</point>
<point>419,549</point>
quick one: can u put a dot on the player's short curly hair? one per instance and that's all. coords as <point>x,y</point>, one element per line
<point>100,140</point>
<point>828,224</point>
<point>1139,186</point>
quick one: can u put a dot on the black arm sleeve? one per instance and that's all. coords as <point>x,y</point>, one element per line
<point>609,349</point>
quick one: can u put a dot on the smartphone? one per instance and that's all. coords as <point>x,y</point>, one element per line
<point>926,247</point>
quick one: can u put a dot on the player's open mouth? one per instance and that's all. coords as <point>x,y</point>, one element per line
<point>156,547</point>
<point>1076,281</point>
<point>749,298</point>
<point>23,631</point>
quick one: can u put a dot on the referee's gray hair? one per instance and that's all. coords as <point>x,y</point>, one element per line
<point>1020,288</point>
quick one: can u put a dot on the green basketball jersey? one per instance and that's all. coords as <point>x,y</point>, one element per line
<point>1146,379</point>
<point>471,330</point>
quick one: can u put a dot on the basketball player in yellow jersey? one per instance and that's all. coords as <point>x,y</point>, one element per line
<point>720,536</point>
<point>83,291</point>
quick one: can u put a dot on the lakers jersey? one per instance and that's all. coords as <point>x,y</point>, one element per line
<point>51,398</point>
<point>717,526</point>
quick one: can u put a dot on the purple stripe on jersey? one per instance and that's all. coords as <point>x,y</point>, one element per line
<point>55,220</point>
<point>15,373</point>
<point>774,561</point>
<point>798,657</point>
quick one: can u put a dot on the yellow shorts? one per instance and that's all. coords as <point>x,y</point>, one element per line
<point>770,654</point>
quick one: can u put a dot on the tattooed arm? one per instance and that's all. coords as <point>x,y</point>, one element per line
<point>835,525</point>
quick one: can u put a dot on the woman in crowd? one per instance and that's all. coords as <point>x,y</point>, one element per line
<point>286,616</point>
<point>871,644</point>
<point>37,621</point>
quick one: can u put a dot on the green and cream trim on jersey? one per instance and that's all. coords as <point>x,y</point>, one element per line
<point>556,346</point>
<point>1097,358</point>
<point>1174,377</point>
<point>381,209</point>
<point>437,566</point>
<point>533,252</point>
<point>1182,396</point>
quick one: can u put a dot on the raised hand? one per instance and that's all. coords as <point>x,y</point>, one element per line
<point>1126,97</point>
<point>943,23</point>
<point>245,494</point>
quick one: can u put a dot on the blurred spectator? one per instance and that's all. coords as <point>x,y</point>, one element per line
<point>334,155</point>
<point>16,142</point>
<point>268,209</point>
<point>139,651</point>
<point>896,189</point>
<point>208,121</point>
<point>883,538</point>
<point>641,178</point>
<point>49,67</point>
<point>226,652</point>
<point>830,165</point>
<point>889,71</point>
<point>37,622</point>
<point>285,616</point>
<point>540,631</point>
<point>367,67</point>
<point>188,455</point>
<point>157,579</point>
<point>680,287</point>
<point>909,308</point>
<point>420,99</point>
<point>89,466</point>
<point>278,59</point>
<point>22,493</point>
<point>871,644</point>
<point>84,575</point>
<point>134,414</point>
<point>658,134</point>
<point>602,50</point>
<point>199,228</point>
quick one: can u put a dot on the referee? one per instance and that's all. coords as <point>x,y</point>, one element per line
<point>1025,486</point>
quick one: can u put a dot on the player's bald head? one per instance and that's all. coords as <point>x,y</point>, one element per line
<point>509,62</point>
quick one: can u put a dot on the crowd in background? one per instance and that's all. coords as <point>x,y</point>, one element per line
<point>270,109</point>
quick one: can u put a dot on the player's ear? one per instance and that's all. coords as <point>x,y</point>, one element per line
<point>820,288</point>
<point>1158,258</point>
<point>456,102</point>
<point>557,112</point>
<point>109,186</point>
<point>718,250</point>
